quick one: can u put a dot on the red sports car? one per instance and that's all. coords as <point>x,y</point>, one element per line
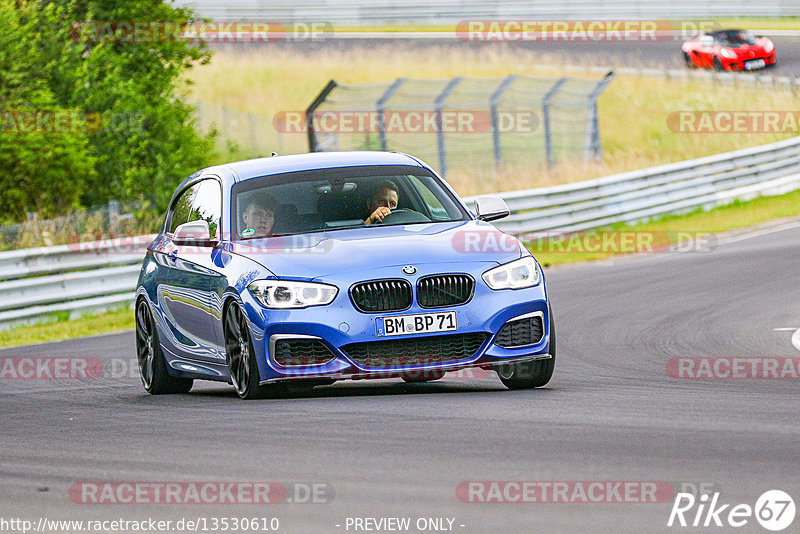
<point>729,50</point>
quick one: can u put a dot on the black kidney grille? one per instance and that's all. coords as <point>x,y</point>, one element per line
<point>442,290</point>
<point>415,352</point>
<point>301,352</point>
<point>520,332</point>
<point>381,295</point>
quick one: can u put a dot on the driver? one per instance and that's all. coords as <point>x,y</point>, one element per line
<point>381,202</point>
<point>258,217</point>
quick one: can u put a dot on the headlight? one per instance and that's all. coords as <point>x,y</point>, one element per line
<point>283,294</point>
<point>730,54</point>
<point>768,47</point>
<point>514,275</point>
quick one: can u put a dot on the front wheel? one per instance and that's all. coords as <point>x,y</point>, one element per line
<point>241,356</point>
<point>150,357</point>
<point>527,375</point>
<point>718,65</point>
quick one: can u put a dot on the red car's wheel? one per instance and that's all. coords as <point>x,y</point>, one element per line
<point>688,61</point>
<point>718,64</point>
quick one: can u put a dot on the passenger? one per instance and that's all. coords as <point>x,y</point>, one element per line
<point>381,202</point>
<point>258,217</point>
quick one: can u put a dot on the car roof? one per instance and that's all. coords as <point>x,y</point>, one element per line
<point>252,168</point>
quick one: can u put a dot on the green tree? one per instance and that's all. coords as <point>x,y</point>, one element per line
<point>41,171</point>
<point>148,141</point>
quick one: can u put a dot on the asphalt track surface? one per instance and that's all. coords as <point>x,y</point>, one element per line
<point>658,54</point>
<point>389,449</point>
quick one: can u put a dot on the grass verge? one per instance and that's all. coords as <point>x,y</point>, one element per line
<point>633,111</point>
<point>60,327</point>
<point>660,233</point>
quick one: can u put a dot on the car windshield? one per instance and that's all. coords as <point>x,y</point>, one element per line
<point>340,198</point>
<point>735,38</point>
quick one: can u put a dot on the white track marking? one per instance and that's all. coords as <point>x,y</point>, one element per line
<point>757,233</point>
<point>795,336</point>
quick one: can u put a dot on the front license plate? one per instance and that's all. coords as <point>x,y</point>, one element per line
<point>754,64</point>
<point>399,325</point>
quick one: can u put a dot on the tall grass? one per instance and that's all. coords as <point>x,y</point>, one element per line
<point>633,110</point>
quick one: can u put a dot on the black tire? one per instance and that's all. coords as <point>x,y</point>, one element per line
<point>718,64</point>
<point>688,61</point>
<point>428,375</point>
<point>152,366</point>
<point>535,374</point>
<point>240,355</point>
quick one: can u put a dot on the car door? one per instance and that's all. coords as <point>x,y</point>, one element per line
<point>705,51</point>
<point>193,306</point>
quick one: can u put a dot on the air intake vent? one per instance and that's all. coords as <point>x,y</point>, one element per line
<point>520,332</point>
<point>301,353</point>
<point>441,290</point>
<point>381,295</point>
<point>415,352</point>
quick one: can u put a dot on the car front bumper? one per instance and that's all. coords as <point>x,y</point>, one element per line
<point>339,325</point>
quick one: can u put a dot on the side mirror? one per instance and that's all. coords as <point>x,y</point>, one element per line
<point>194,233</point>
<point>490,208</point>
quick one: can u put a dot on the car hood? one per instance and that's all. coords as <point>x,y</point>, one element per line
<point>747,51</point>
<point>332,254</point>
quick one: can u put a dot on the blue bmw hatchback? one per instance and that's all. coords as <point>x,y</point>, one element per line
<point>305,269</point>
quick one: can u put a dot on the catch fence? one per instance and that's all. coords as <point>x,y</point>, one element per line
<point>474,123</point>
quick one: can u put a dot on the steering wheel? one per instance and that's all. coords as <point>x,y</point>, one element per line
<point>404,216</point>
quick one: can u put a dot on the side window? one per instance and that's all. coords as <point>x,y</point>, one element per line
<point>183,207</point>
<point>207,204</point>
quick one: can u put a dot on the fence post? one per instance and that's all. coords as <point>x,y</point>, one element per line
<point>593,147</point>
<point>493,102</point>
<point>113,216</point>
<point>312,140</point>
<point>438,104</point>
<point>548,134</point>
<point>380,107</point>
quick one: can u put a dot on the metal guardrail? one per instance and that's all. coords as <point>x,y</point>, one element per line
<point>102,275</point>
<point>452,11</point>
<point>76,278</point>
<point>734,79</point>
<point>637,195</point>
